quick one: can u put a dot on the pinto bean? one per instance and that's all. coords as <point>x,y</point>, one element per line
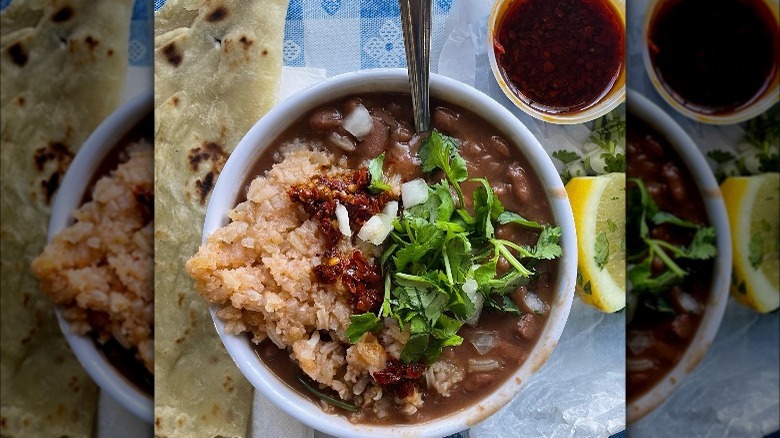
<point>525,327</point>
<point>674,181</point>
<point>401,134</point>
<point>446,121</point>
<point>518,177</point>
<point>682,325</point>
<point>499,146</point>
<point>477,382</point>
<point>401,160</point>
<point>376,142</point>
<point>325,120</point>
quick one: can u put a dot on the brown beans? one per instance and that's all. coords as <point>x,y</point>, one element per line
<point>675,182</point>
<point>446,121</point>
<point>376,142</point>
<point>499,146</point>
<point>325,119</point>
<point>518,177</point>
<point>525,327</point>
<point>477,382</point>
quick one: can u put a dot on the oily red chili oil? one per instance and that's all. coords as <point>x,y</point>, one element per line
<point>560,56</point>
<point>714,56</point>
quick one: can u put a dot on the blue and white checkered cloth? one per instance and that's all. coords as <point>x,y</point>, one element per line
<point>347,35</point>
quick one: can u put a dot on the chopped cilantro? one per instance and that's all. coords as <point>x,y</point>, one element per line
<point>602,250</point>
<point>756,250</point>
<point>360,324</point>
<point>643,249</point>
<point>441,266</point>
<point>604,152</point>
<point>378,183</point>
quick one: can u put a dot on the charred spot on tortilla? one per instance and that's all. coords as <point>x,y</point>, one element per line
<point>204,186</point>
<point>18,54</point>
<point>172,54</point>
<point>210,151</point>
<point>64,14</point>
<point>91,42</point>
<point>217,15</point>
<point>110,52</point>
<point>246,42</point>
<point>58,153</point>
<point>175,101</point>
<point>54,151</point>
<point>265,52</point>
<point>50,186</point>
<point>20,101</point>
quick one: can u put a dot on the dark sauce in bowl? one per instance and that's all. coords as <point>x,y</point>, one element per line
<point>561,56</point>
<point>714,56</point>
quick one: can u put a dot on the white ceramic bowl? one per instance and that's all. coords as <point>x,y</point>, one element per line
<point>69,197</point>
<point>614,97</point>
<point>239,167</point>
<point>696,164</point>
<point>770,96</point>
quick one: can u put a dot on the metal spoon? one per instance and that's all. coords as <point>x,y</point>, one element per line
<point>416,23</point>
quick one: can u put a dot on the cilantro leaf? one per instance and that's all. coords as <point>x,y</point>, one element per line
<point>720,156</point>
<point>602,250</point>
<point>756,250</point>
<point>547,247</point>
<point>360,324</point>
<point>440,151</point>
<point>377,177</point>
<point>509,217</point>
<point>565,156</point>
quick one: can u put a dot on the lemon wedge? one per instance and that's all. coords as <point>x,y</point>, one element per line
<point>599,207</point>
<point>752,205</point>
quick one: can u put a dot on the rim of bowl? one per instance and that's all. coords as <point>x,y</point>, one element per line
<point>614,97</point>
<point>770,97</point>
<point>69,196</point>
<point>642,108</point>
<point>265,131</point>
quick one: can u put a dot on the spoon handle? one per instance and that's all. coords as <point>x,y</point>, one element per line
<point>416,22</point>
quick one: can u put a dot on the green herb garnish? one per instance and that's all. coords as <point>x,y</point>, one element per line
<point>441,266</point>
<point>605,151</point>
<point>378,183</point>
<point>758,152</point>
<point>327,399</point>
<point>643,248</point>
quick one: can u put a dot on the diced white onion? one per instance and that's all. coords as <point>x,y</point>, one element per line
<point>391,210</point>
<point>342,216</point>
<point>483,365</point>
<point>576,168</point>
<point>371,231</point>
<point>414,192</point>
<point>597,163</point>
<point>643,364</point>
<point>534,304</point>
<point>342,141</point>
<point>470,288</point>
<point>359,122</point>
<point>689,303</point>
<point>639,340</point>
<point>484,341</point>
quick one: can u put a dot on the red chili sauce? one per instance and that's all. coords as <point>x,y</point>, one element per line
<point>714,56</point>
<point>561,56</point>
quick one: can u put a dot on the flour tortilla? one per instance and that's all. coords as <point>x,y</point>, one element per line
<point>217,71</point>
<point>63,66</point>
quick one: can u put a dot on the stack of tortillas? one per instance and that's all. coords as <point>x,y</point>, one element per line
<point>63,67</point>
<point>217,71</point>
